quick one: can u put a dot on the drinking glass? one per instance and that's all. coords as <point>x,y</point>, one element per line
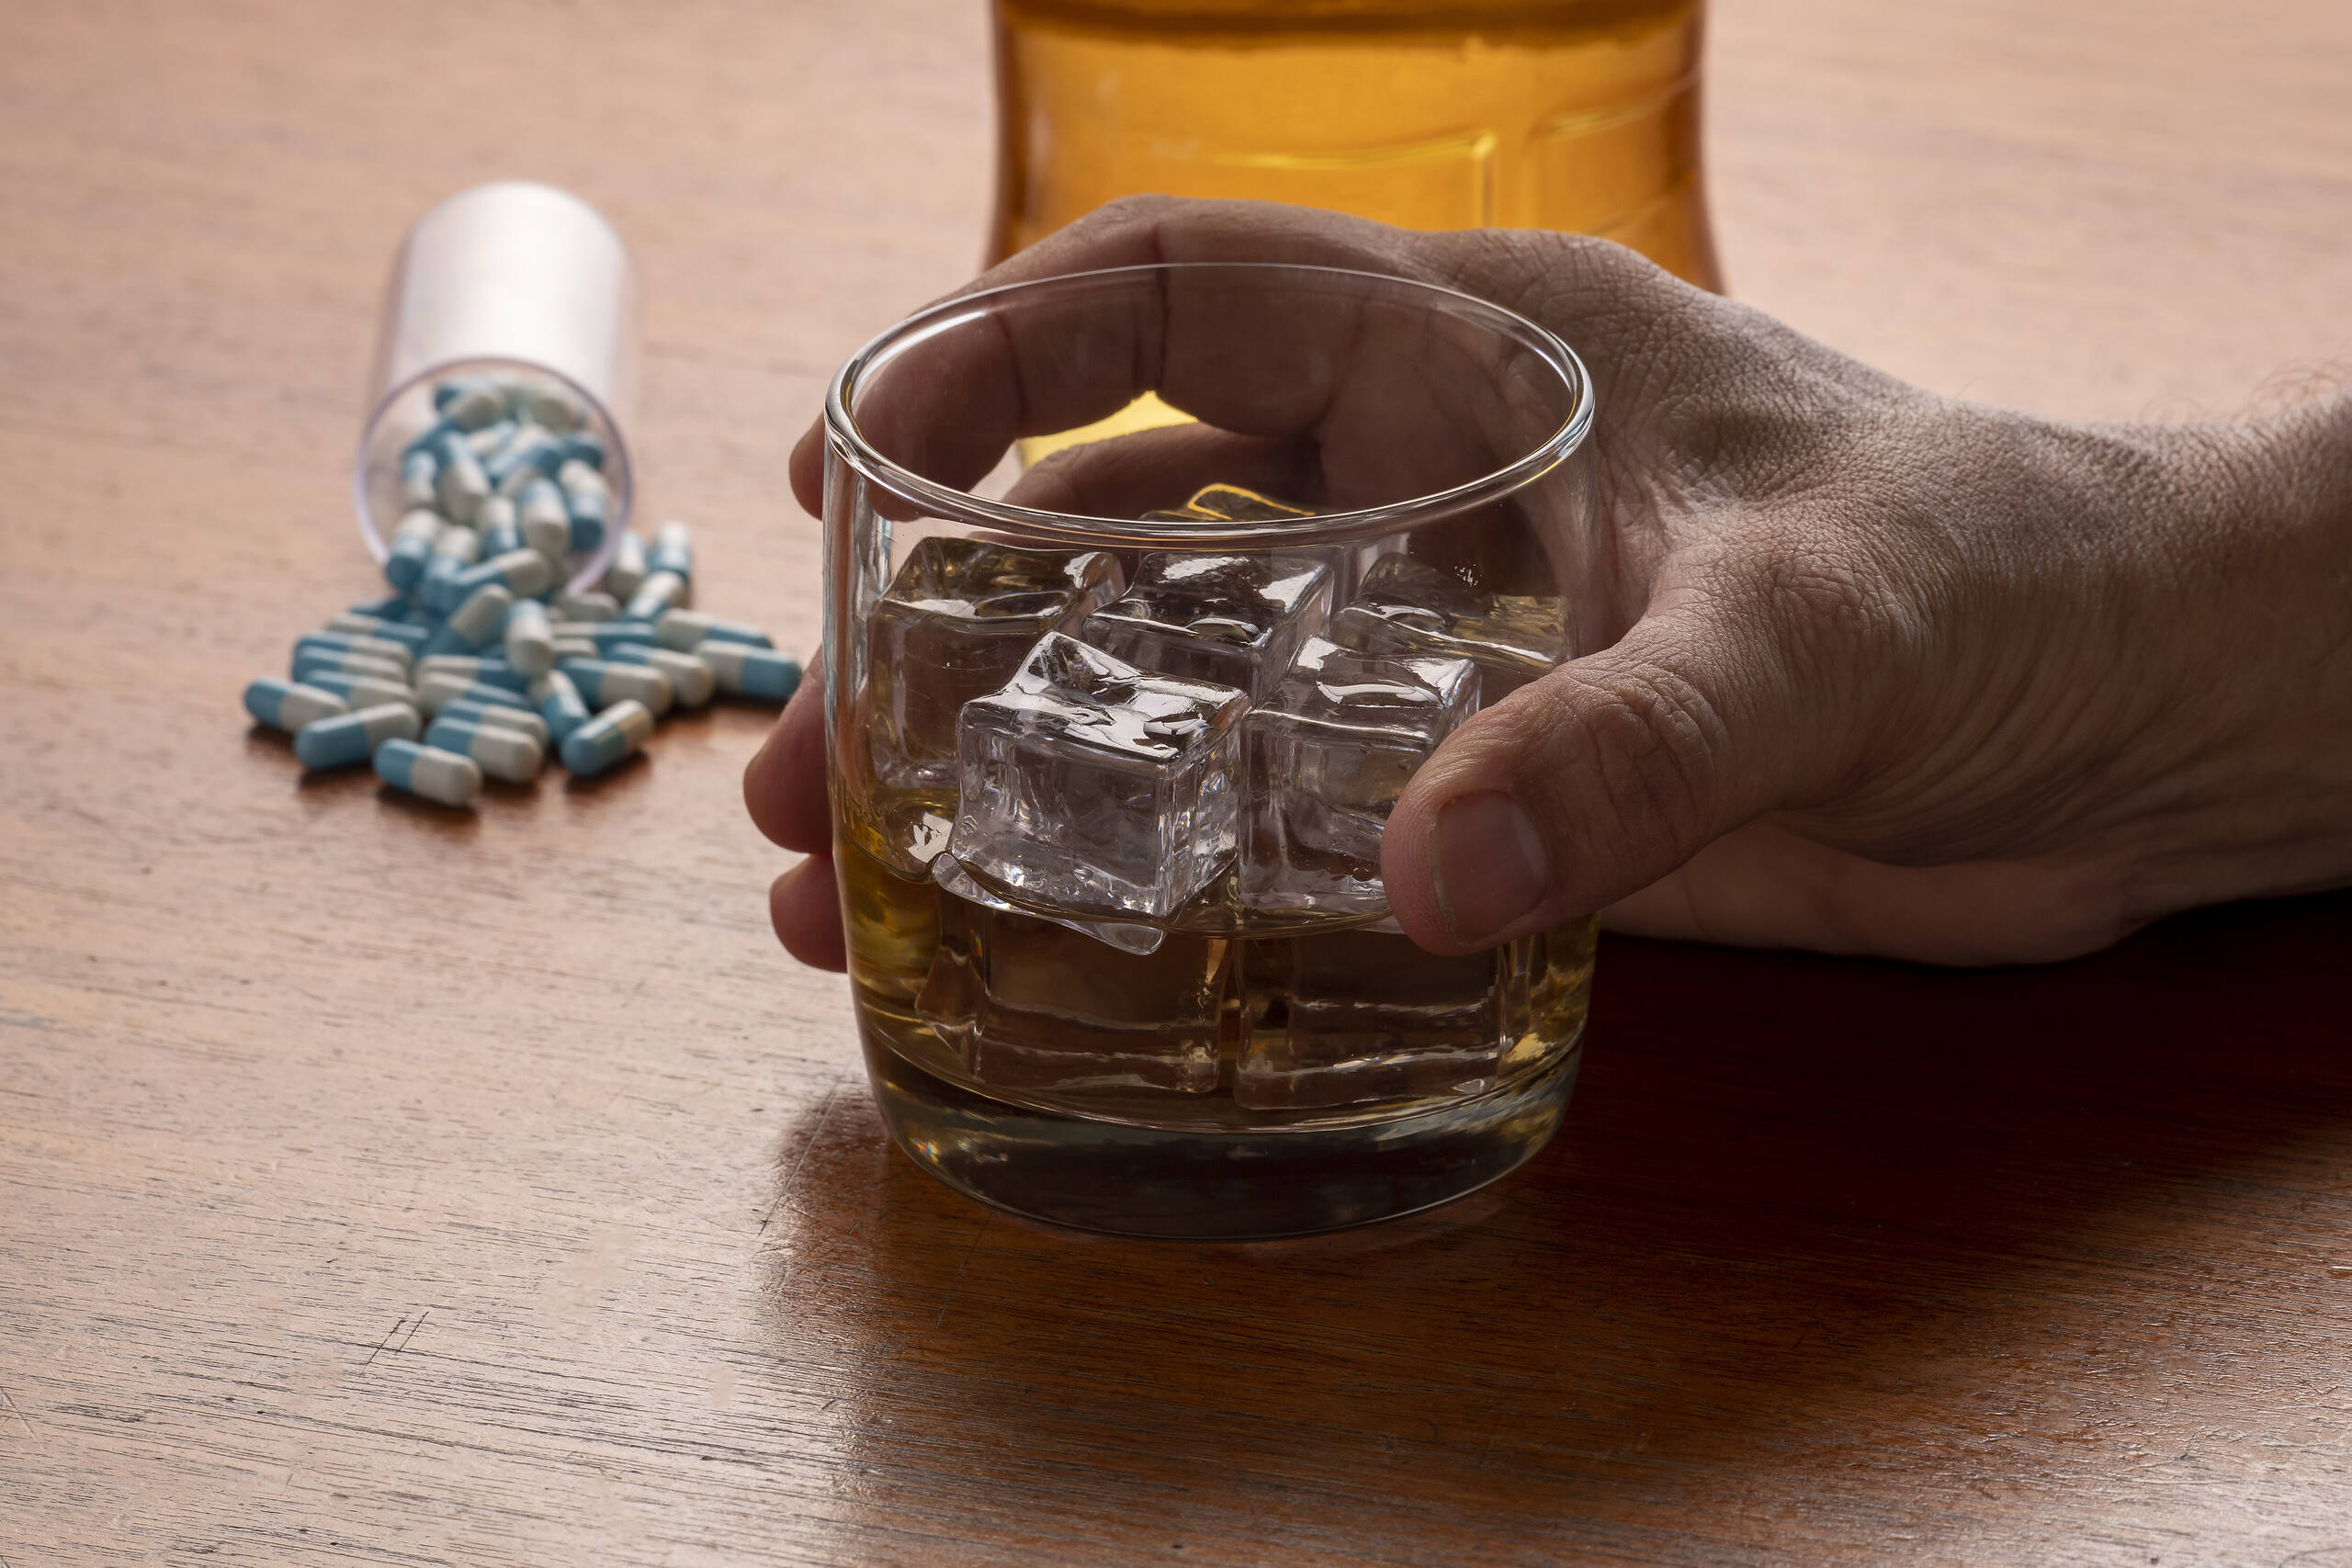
<point>1111,754</point>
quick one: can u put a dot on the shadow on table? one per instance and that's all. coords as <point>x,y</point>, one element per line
<point>1809,1221</point>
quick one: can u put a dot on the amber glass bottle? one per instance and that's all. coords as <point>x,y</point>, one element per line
<point>1577,115</point>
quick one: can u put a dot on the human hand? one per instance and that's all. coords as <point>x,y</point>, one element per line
<point>1898,675</point>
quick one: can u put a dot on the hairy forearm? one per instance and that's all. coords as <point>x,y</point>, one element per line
<point>2120,653</point>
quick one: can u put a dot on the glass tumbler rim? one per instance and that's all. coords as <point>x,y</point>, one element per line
<point>1036,524</point>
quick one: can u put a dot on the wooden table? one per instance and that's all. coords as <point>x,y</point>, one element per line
<point>376,1187</point>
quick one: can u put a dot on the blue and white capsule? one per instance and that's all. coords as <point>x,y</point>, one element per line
<point>687,630</point>
<point>486,442</point>
<point>530,639</point>
<point>310,663</point>
<point>452,551</point>
<point>364,691</point>
<point>593,605</point>
<point>496,523</point>
<point>417,472</point>
<point>490,669</point>
<point>427,770</point>
<point>461,486</point>
<point>691,681</point>
<point>395,649</point>
<point>660,591</point>
<point>588,500</point>
<point>502,753</point>
<point>625,573</point>
<point>409,636</point>
<point>533,455</point>
<point>608,739</point>
<point>493,715</point>
<point>611,634</point>
<point>438,690</point>
<point>672,551</point>
<point>429,439</point>
<point>603,682</point>
<point>475,623</point>
<point>546,526</point>
<point>412,547</point>
<point>469,404</point>
<point>551,406</point>
<point>745,672</point>
<point>558,703</point>
<point>364,622</point>
<point>523,573</point>
<point>457,386</point>
<point>352,737</point>
<point>289,705</point>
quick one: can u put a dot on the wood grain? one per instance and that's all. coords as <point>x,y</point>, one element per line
<point>381,1186</point>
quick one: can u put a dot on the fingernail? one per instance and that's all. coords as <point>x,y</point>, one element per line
<point>1491,868</point>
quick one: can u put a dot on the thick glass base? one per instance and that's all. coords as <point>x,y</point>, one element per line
<point>1212,1185</point>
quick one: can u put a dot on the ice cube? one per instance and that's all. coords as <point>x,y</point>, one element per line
<point>954,623</point>
<point>1345,1016</point>
<point>1324,760</point>
<point>1351,564</point>
<point>1035,1004</point>
<point>954,880</point>
<point>1407,606</point>
<point>1232,503</point>
<point>1349,1016</point>
<point>1234,619</point>
<point>905,829</point>
<point>1088,787</point>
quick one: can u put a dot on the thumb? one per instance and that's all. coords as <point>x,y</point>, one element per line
<point>1593,782</point>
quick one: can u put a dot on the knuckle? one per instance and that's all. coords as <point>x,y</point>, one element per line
<point>1114,220</point>
<point>1129,211</point>
<point>1759,447</point>
<point>1817,586</point>
<point>1570,281</point>
<point>1819,601</point>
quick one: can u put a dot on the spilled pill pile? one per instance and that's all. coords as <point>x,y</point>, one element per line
<point>479,661</point>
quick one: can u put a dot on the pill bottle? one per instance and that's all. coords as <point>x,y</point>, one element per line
<point>523,287</point>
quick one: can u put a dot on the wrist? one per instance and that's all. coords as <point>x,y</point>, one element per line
<point>2302,470</point>
<point>2260,550</point>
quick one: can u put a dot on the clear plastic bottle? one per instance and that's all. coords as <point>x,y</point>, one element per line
<point>515,280</point>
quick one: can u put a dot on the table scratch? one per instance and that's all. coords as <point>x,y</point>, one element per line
<point>792,1177</point>
<point>961,1265</point>
<point>382,1343</point>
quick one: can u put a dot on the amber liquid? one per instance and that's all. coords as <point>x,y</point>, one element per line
<point>1220,1029</point>
<point>1575,115</point>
